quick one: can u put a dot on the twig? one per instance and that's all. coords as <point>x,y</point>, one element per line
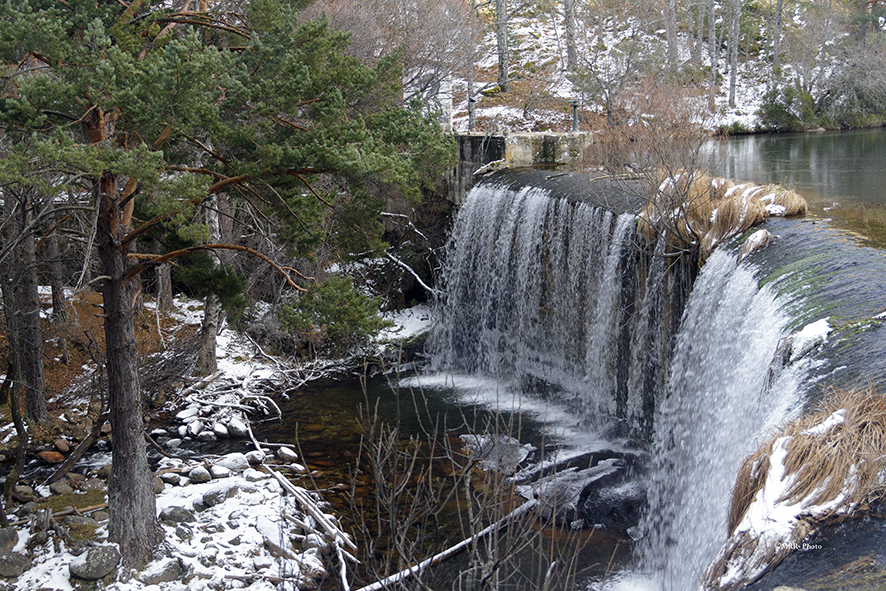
<point>403,574</point>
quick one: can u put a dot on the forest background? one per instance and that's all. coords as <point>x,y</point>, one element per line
<point>245,152</point>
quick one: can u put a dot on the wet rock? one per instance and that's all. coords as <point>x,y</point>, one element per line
<point>206,436</point>
<point>51,457</point>
<point>95,563</point>
<point>13,565</point>
<point>162,571</point>
<point>286,455</point>
<point>220,493</point>
<point>255,457</point>
<point>61,488</point>
<point>237,428</point>
<point>61,445</point>
<point>177,515</point>
<point>75,478</point>
<point>234,461</point>
<point>199,475</point>
<point>195,428</point>
<point>104,472</point>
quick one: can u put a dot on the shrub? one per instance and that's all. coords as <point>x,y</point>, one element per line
<point>332,316</point>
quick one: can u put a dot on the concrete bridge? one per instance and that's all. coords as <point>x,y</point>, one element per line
<point>479,153</point>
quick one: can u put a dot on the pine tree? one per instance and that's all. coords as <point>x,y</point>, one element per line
<point>138,104</point>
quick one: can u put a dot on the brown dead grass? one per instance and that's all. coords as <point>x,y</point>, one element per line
<point>847,459</point>
<point>697,209</point>
<point>80,340</point>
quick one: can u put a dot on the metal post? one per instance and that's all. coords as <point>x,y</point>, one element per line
<point>575,103</point>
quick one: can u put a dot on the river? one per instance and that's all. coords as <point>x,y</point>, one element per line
<point>516,352</point>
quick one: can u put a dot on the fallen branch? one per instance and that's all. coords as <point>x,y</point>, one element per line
<point>403,574</point>
<point>412,272</point>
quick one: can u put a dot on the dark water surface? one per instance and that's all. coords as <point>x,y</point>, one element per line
<point>840,173</point>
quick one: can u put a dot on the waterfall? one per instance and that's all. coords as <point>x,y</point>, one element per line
<point>563,301</point>
<point>720,401</point>
<point>543,293</point>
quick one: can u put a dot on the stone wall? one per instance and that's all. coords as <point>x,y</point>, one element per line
<point>480,153</point>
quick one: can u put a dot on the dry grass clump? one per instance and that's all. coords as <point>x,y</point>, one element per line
<point>834,469</point>
<point>695,209</point>
<point>847,459</point>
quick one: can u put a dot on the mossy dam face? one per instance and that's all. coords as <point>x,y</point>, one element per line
<point>682,367</point>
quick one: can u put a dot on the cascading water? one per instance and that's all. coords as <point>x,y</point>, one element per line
<point>563,300</point>
<point>721,399</point>
<point>544,293</point>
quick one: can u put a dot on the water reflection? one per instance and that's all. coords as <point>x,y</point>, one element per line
<point>840,173</point>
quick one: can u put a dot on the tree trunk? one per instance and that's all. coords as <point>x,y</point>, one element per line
<point>713,52</point>
<point>131,503</point>
<point>569,24</point>
<point>698,39</point>
<point>56,280</point>
<point>501,40</point>
<point>671,30</point>
<point>164,286</point>
<point>25,315</point>
<point>776,35</point>
<point>207,363</point>
<point>734,21</point>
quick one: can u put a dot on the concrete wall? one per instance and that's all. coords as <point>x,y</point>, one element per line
<point>479,153</point>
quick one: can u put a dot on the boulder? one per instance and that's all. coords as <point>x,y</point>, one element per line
<point>161,571</point>
<point>286,455</point>
<point>13,565</point>
<point>176,515</point>
<point>8,538</point>
<point>237,428</point>
<point>60,488</point>
<point>199,475</point>
<point>51,457</point>
<point>95,563</point>
<point>255,457</point>
<point>220,493</point>
<point>234,461</point>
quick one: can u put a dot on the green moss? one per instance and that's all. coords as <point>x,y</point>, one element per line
<point>82,500</point>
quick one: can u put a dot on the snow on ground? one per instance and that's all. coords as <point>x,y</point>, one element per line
<point>408,323</point>
<point>241,516</point>
<point>538,45</point>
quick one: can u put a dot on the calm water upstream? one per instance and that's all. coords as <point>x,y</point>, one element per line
<point>840,173</point>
